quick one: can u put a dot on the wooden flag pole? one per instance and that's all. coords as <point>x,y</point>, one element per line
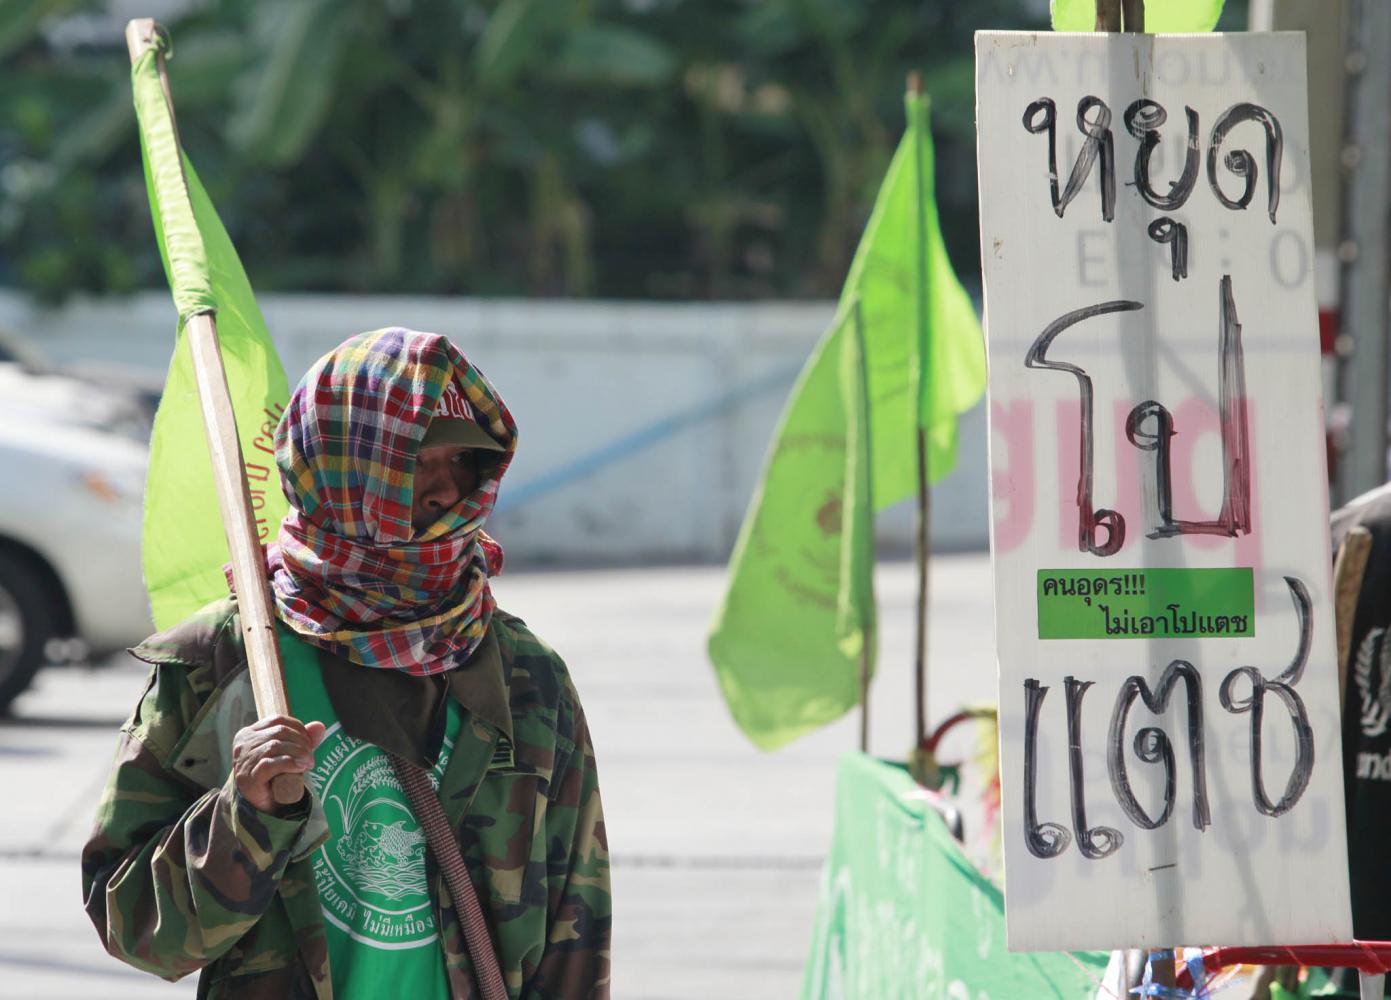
<point>1133,12</point>
<point>234,498</point>
<point>1108,15</point>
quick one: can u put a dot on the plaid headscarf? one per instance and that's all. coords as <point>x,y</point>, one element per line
<point>348,572</point>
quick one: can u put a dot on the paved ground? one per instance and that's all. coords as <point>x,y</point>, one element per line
<point>716,846</point>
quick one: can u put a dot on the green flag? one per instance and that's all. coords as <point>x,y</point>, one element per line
<point>1176,16</point>
<point>798,615</point>
<point>184,546</point>
<point>923,344</point>
<point>904,913</point>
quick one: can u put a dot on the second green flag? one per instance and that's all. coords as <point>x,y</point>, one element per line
<point>798,612</point>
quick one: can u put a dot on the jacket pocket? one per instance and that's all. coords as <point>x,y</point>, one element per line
<point>506,825</point>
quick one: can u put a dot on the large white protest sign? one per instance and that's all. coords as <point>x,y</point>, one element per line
<point>1168,677</point>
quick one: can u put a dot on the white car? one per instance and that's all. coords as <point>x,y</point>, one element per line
<point>73,455</point>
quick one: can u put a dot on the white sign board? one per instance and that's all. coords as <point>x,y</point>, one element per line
<point>1168,679</point>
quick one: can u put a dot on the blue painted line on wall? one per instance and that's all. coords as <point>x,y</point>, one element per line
<point>644,437</point>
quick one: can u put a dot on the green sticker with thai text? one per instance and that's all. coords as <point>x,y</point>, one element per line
<point>1146,604</point>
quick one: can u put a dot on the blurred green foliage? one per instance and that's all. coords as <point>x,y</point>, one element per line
<point>616,148</point>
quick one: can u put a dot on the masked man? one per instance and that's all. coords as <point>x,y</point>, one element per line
<point>390,454</point>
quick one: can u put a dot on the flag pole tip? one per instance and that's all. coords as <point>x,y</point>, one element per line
<point>142,33</point>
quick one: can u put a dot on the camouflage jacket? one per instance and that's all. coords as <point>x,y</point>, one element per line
<point>182,873</point>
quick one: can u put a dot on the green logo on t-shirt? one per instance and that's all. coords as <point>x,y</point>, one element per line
<point>371,872</point>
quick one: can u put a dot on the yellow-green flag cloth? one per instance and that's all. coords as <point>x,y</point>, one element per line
<point>184,546</point>
<point>904,349</point>
<point>1161,16</point>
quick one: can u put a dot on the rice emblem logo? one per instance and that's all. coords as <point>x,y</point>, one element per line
<point>371,872</point>
<point>1373,679</point>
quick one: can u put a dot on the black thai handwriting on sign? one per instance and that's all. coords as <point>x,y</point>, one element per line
<point>1235,514</point>
<point>1166,230</point>
<point>1042,116</point>
<point>1144,119</point>
<point>1153,746</point>
<point>1149,427</point>
<point>1283,688</point>
<point>1044,840</point>
<point>1095,842</point>
<point>1241,163</point>
<point>1089,520</point>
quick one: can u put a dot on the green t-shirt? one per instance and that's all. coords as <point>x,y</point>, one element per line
<point>378,913</point>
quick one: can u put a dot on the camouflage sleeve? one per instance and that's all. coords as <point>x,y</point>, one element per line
<point>575,963</point>
<point>172,875</point>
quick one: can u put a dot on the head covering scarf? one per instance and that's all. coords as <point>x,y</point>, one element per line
<point>349,573</point>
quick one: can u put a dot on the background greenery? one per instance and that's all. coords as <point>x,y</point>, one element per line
<point>618,148</point>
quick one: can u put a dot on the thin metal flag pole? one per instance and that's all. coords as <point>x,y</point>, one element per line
<point>867,640</point>
<point>924,511</point>
<point>234,498</point>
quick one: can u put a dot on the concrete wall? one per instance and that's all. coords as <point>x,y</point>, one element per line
<point>643,426</point>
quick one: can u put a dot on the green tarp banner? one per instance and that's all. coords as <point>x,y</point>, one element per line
<point>1177,16</point>
<point>787,639</point>
<point>902,912</point>
<point>184,546</point>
